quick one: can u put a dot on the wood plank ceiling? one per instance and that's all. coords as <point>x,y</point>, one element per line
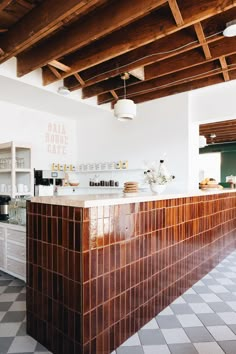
<point>219,132</point>
<point>176,45</point>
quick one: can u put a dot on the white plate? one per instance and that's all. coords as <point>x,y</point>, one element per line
<point>130,194</point>
<point>211,189</point>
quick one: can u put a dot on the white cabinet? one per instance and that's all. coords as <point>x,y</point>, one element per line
<point>16,173</point>
<point>13,250</point>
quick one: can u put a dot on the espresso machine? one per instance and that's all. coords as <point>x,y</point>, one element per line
<point>4,207</point>
<point>45,182</point>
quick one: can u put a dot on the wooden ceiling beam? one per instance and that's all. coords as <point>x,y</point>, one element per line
<point>166,47</point>
<point>218,131</point>
<point>57,64</point>
<point>40,22</point>
<point>178,89</point>
<point>79,79</point>
<point>202,39</point>
<point>115,96</point>
<point>102,22</point>
<point>182,88</point>
<point>176,12</point>
<point>180,77</point>
<point>148,55</point>
<point>154,26</point>
<point>188,75</point>
<point>171,66</point>
<point>224,66</point>
<point>4,4</point>
<point>55,72</point>
<point>25,4</point>
<point>224,47</point>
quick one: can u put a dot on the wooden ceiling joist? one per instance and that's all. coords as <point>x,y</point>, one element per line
<point>40,22</point>
<point>113,93</point>
<point>24,3</point>
<point>190,59</point>
<point>4,4</point>
<point>178,64</point>
<point>83,32</point>
<point>178,89</point>
<point>224,66</point>
<point>202,40</point>
<point>59,65</point>
<point>189,86</point>
<point>79,79</point>
<point>160,25</point>
<point>179,42</point>
<point>175,79</point>
<point>55,72</point>
<point>176,12</point>
<point>225,131</point>
<point>151,53</point>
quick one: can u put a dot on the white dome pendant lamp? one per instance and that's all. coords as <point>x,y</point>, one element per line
<point>230,30</point>
<point>125,109</point>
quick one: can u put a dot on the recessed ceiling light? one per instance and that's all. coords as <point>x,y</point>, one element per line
<point>230,30</point>
<point>64,91</point>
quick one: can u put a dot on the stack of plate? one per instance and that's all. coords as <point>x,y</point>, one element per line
<point>130,188</point>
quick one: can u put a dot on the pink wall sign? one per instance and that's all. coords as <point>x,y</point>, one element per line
<point>56,139</point>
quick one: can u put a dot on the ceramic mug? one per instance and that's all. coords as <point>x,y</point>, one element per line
<point>3,188</point>
<point>20,188</point>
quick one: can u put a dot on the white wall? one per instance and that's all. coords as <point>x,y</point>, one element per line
<point>37,128</point>
<point>161,130</point>
<point>213,103</point>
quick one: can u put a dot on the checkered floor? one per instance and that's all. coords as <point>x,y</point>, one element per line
<point>202,320</point>
<point>13,338</point>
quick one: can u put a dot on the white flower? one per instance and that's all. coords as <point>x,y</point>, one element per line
<point>157,177</point>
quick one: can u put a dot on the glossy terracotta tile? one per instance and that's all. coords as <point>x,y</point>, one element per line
<point>97,275</point>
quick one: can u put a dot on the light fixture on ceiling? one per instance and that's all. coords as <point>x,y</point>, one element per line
<point>230,30</point>
<point>63,90</point>
<point>202,141</point>
<point>212,136</point>
<point>125,109</point>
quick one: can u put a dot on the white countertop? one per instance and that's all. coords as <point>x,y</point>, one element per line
<point>94,200</point>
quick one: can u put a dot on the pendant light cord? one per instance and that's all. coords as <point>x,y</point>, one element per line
<point>124,88</point>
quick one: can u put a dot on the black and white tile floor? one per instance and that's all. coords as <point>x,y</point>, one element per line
<point>201,321</point>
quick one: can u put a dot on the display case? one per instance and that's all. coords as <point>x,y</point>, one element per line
<point>16,174</point>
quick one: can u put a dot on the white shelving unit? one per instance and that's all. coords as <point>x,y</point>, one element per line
<point>15,169</point>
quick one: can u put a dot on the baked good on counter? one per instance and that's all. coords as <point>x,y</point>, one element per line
<point>209,183</point>
<point>131,187</point>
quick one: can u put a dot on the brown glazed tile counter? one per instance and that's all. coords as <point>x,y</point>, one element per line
<point>95,275</point>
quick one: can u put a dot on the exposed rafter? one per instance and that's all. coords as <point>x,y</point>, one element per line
<point>79,79</point>
<point>176,12</point>
<point>38,23</point>
<point>4,4</point>
<point>202,40</point>
<point>84,32</point>
<point>196,73</point>
<point>224,66</point>
<point>161,25</point>
<point>167,46</point>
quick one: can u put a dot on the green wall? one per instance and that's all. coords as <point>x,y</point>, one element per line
<point>228,164</point>
<point>228,157</point>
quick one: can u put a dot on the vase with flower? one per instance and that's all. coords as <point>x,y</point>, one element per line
<point>158,178</point>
